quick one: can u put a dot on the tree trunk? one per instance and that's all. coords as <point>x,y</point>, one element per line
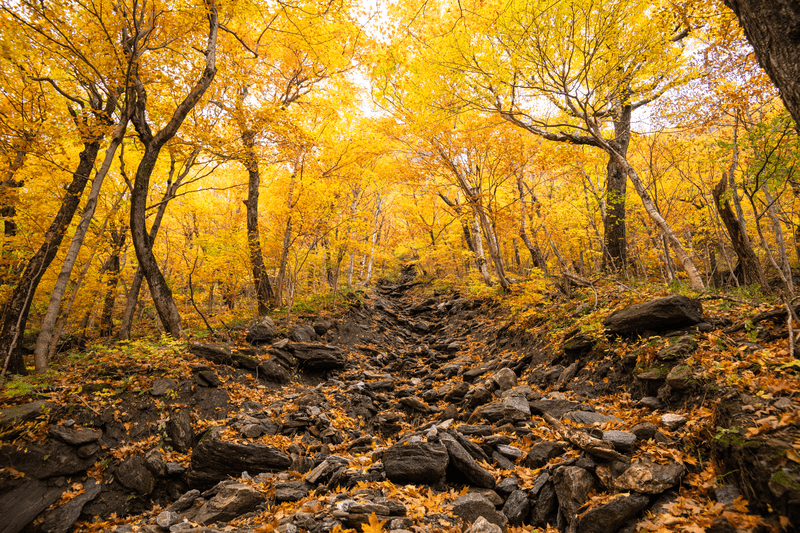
<point>537,258</point>
<point>159,290</point>
<point>771,27</point>
<point>9,198</point>
<point>477,244</point>
<point>614,233</point>
<point>264,292</point>
<point>15,313</point>
<point>47,330</point>
<point>748,271</point>
<point>281,281</point>
<point>494,247</point>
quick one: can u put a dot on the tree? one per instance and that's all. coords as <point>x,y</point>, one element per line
<point>771,27</point>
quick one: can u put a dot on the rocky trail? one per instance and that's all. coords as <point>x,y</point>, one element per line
<point>413,413</point>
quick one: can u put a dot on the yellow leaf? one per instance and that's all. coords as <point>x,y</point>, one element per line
<point>792,455</point>
<point>375,526</point>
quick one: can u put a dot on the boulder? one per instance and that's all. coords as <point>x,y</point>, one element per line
<point>21,413</point>
<point>463,461</point>
<point>572,486</point>
<point>75,437</point>
<point>22,504</point>
<point>516,408</point>
<point>262,331</point>
<point>505,378</point>
<point>62,518</point>
<point>622,440</point>
<point>673,420</point>
<point>162,386</point>
<point>662,314</point>
<point>517,508</point>
<point>303,334</point>
<point>318,357</point>
<point>650,478</point>
<point>481,525</point>
<point>474,505</point>
<point>611,516</point>
<point>179,430</point>
<point>214,460</point>
<point>589,419</point>
<point>680,377</point>
<point>416,462</point>
<point>134,474</point>
<point>541,453</point>
<point>231,501</point>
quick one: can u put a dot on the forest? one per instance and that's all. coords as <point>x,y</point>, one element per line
<point>176,173</point>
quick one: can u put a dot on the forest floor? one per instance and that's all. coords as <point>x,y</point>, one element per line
<point>418,410</point>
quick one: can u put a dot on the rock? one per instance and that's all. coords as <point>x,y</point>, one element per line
<point>650,478</point>
<point>414,403</point>
<point>502,461</point>
<point>26,501</point>
<point>184,502</point>
<point>727,494</point>
<point>579,345</point>
<point>231,501</point>
<point>651,402</point>
<point>322,326</point>
<point>567,375</point>
<point>572,485</point>
<point>262,331</point>
<point>680,377</point>
<point>462,460</point>
<point>11,416</point>
<point>612,515</point>
<point>555,408</point>
<point>291,491</point>
<point>214,460</point>
<point>517,508</point>
<point>481,525</point>
<point>506,486</point>
<point>673,421</point>
<point>303,334</point>
<point>609,472</point>
<point>167,518</point>
<point>208,378</point>
<point>589,419</point>
<point>75,437</point>
<point>272,371</point>
<point>251,431</point>
<point>622,440</point>
<point>179,430</point>
<point>678,348</point>
<point>162,386</point>
<point>318,357</point>
<point>541,453</point>
<point>662,314</point>
<point>473,505</point>
<point>505,378</point>
<point>512,452</point>
<point>546,505</point>
<point>134,474</point>
<point>516,408</point>
<point>62,518</point>
<point>644,430</point>
<point>419,462</point>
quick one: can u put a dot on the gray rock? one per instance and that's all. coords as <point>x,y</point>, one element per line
<point>473,505</point>
<point>727,494</point>
<point>505,378</point>
<point>420,462</point>
<point>662,314</point>
<point>572,486</point>
<point>20,413</point>
<point>214,460</point>
<point>589,419</point>
<point>545,507</point>
<point>251,431</point>
<point>318,357</point>
<point>502,461</point>
<point>481,525</point>
<point>262,331</point>
<point>539,484</point>
<point>179,430</point>
<point>678,348</point>
<point>303,334</point>
<point>609,472</point>
<point>650,478</point>
<point>474,450</point>
<point>541,453</point>
<point>517,508</point>
<point>512,452</point>
<point>644,430</point>
<point>75,437</point>
<point>507,486</point>
<point>291,491</point>
<point>162,386</point>
<point>651,402</point>
<point>208,378</point>
<point>555,408</point>
<point>462,460</point>
<point>516,408</point>
<point>26,501</point>
<point>680,377</point>
<point>673,421</point>
<point>567,375</point>
<point>184,502</point>
<point>622,440</point>
<point>327,467</point>
<point>62,518</point>
<point>612,515</point>
<point>231,501</point>
<point>134,474</point>
<point>167,518</point>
